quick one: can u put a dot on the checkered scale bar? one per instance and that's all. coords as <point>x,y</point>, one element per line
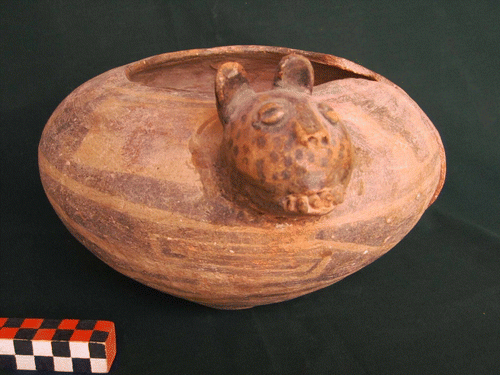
<point>68,345</point>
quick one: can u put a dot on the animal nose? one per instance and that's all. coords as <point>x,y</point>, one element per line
<point>308,128</point>
<point>309,137</point>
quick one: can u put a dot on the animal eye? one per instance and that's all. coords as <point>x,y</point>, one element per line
<point>271,113</point>
<point>328,113</point>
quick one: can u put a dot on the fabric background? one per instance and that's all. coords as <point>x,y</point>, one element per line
<point>429,306</point>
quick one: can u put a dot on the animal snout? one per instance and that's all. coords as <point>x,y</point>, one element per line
<point>317,138</point>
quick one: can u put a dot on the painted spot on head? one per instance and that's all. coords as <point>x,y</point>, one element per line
<point>299,154</point>
<point>310,156</point>
<point>261,142</point>
<point>259,164</point>
<point>274,156</point>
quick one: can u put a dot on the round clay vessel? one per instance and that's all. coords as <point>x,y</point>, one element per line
<point>240,176</point>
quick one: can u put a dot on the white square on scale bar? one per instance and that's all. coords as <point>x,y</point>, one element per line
<point>42,348</point>
<point>7,347</point>
<point>99,365</point>
<point>79,349</point>
<point>25,362</point>
<point>63,364</point>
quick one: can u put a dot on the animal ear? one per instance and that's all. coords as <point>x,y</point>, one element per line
<point>231,78</point>
<point>295,72</point>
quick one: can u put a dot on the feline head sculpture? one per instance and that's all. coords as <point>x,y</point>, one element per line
<point>287,152</point>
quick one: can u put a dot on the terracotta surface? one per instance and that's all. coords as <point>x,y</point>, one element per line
<point>133,163</point>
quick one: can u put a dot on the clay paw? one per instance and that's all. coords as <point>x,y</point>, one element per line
<point>314,203</point>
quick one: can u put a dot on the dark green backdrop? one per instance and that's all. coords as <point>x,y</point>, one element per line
<point>430,306</point>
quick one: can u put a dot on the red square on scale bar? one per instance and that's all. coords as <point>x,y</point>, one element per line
<point>32,323</point>
<point>104,325</point>
<point>68,324</point>
<point>81,335</point>
<point>8,333</point>
<point>44,334</point>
